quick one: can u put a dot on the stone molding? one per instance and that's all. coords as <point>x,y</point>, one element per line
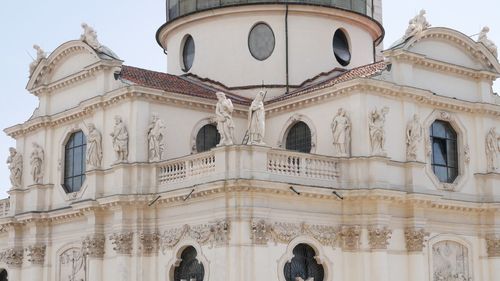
<point>493,246</point>
<point>280,232</point>
<point>149,243</point>
<point>350,237</point>
<point>36,254</point>
<point>378,238</point>
<point>415,239</point>
<point>123,242</point>
<point>93,245</point>
<point>213,234</point>
<point>13,257</point>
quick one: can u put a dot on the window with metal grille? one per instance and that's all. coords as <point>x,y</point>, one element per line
<point>299,138</point>
<point>74,162</point>
<point>444,151</point>
<point>189,268</point>
<point>207,138</point>
<point>304,265</point>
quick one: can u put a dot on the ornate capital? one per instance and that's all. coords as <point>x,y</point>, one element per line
<point>216,233</point>
<point>13,257</point>
<point>260,232</point>
<point>493,246</point>
<point>350,236</point>
<point>93,245</point>
<point>149,243</point>
<point>415,239</point>
<point>36,254</point>
<point>122,242</point>
<point>378,238</point>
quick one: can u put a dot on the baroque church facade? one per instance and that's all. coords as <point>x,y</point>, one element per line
<point>283,144</point>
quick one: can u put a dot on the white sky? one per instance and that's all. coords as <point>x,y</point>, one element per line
<point>128,27</point>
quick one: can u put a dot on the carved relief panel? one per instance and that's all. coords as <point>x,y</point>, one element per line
<point>450,262</point>
<point>72,266</point>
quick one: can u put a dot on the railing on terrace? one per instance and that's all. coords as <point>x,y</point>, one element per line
<point>4,207</point>
<point>249,162</point>
<point>178,8</point>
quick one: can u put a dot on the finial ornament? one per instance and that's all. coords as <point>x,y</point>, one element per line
<point>89,36</point>
<point>417,24</point>
<point>490,45</point>
<point>40,55</point>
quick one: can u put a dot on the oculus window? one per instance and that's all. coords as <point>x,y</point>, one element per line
<point>189,268</point>
<point>304,265</point>
<point>74,162</point>
<point>188,51</point>
<point>444,151</point>
<point>207,138</point>
<point>261,41</point>
<point>299,138</point>
<point>341,48</point>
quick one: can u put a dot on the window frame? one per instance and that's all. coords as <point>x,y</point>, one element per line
<point>182,59</point>
<point>248,41</point>
<point>344,34</point>
<point>447,144</point>
<point>217,137</point>
<point>83,172</point>
<point>292,120</point>
<point>296,137</point>
<point>176,258</point>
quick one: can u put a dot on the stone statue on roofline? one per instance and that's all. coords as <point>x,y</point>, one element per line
<point>40,55</point>
<point>416,25</point>
<point>89,36</point>
<point>223,114</point>
<point>490,45</point>
<point>256,120</point>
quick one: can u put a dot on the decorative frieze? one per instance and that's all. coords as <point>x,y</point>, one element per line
<point>350,237</point>
<point>415,239</point>
<point>122,242</point>
<point>13,257</point>
<point>36,254</point>
<point>93,245</point>
<point>149,243</point>
<point>280,232</point>
<point>216,233</point>
<point>493,246</point>
<point>378,238</point>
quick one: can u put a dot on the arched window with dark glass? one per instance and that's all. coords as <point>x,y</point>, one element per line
<point>299,138</point>
<point>190,268</point>
<point>3,275</point>
<point>74,162</point>
<point>207,138</point>
<point>304,265</point>
<point>444,151</point>
<point>188,53</point>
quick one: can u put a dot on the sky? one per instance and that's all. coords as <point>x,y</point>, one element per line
<point>128,27</point>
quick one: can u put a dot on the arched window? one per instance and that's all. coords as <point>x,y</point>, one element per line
<point>304,265</point>
<point>188,52</point>
<point>189,268</point>
<point>3,275</point>
<point>74,162</point>
<point>341,48</point>
<point>444,151</point>
<point>299,138</point>
<point>207,138</point>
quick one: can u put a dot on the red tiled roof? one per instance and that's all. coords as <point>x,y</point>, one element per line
<point>172,83</point>
<point>359,72</point>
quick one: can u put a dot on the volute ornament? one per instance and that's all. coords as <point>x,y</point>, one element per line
<point>415,239</point>
<point>36,254</point>
<point>378,238</point>
<point>93,245</point>
<point>122,242</point>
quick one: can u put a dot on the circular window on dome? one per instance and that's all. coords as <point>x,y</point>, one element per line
<point>341,48</point>
<point>261,41</point>
<point>187,53</point>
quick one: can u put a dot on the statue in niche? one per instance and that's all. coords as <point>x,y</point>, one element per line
<point>417,24</point>
<point>225,124</point>
<point>89,36</point>
<point>256,120</point>
<point>37,158</point>
<point>40,55</point>
<point>414,134</point>
<point>450,262</point>
<point>120,140</point>
<point>341,129</point>
<point>492,150</point>
<point>490,45</point>
<point>156,138</point>
<point>376,124</point>
<point>15,164</point>
<point>94,147</point>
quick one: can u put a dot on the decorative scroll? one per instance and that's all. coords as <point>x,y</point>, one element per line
<point>214,234</point>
